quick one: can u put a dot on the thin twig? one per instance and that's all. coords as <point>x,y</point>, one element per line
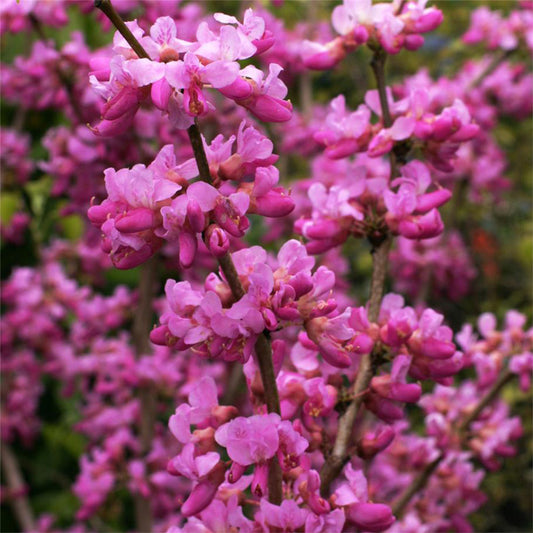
<point>497,60</point>
<point>422,479</point>
<point>15,482</point>
<point>110,12</point>
<point>63,77</point>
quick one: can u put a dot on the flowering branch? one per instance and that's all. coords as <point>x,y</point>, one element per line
<point>421,480</point>
<point>15,482</point>
<point>263,347</point>
<point>63,77</point>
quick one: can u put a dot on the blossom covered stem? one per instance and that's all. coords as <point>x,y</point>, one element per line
<point>491,395</point>
<point>366,371</point>
<point>16,485</point>
<point>421,480</point>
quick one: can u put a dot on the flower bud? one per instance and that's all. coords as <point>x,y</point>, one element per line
<point>187,244</point>
<point>373,517</point>
<point>138,219</point>
<point>273,204</point>
<point>216,240</point>
<point>203,493</point>
<point>373,443</point>
<point>260,480</point>
<point>160,93</point>
<point>431,200</point>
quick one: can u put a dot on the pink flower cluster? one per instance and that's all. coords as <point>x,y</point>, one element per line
<point>393,26</point>
<point>363,206</point>
<point>176,73</point>
<point>496,31</point>
<point>14,149</point>
<point>438,266</point>
<point>256,440</point>
<point>149,205</point>
<point>439,135</point>
<point>213,325</point>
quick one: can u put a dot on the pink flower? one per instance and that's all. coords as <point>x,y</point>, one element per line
<point>251,440</point>
<point>287,517</point>
<point>190,75</point>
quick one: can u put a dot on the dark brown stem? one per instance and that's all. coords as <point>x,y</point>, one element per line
<point>142,323</point>
<point>400,7</point>
<point>422,479</point>
<point>110,12</point>
<point>199,153</point>
<point>378,67</point>
<point>232,277</point>
<point>15,483</point>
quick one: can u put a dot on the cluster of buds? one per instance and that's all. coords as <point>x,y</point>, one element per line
<point>491,28</point>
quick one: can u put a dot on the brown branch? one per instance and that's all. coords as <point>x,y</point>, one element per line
<point>504,378</point>
<point>421,480</point>
<point>200,156</point>
<point>367,368</point>
<point>262,347</point>
<point>378,67</point>
<point>15,482</point>
<point>380,262</point>
<point>418,483</point>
